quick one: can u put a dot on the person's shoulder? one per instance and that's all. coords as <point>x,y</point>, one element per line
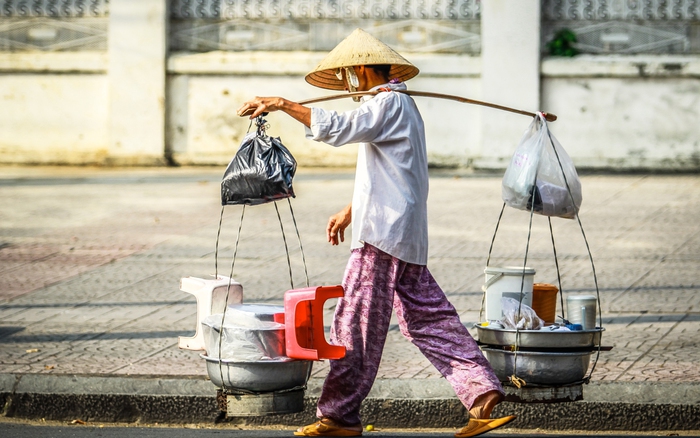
<point>390,97</point>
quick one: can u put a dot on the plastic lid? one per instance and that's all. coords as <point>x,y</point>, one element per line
<point>258,309</point>
<point>581,297</point>
<point>510,270</point>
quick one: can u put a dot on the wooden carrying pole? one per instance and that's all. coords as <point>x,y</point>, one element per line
<point>548,116</point>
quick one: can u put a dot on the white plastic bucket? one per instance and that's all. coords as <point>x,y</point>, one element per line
<point>581,309</point>
<point>506,282</point>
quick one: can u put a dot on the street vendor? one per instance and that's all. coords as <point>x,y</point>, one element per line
<point>389,250</point>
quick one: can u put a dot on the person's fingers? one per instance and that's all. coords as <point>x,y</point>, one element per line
<point>335,230</point>
<point>333,239</point>
<point>247,109</point>
<point>259,110</point>
<point>329,229</point>
<point>255,106</point>
<point>342,234</point>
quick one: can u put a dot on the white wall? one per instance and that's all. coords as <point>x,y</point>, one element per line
<point>205,90</point>
<point>135,104</point>
<point>510,54</point>
<point>137,51</point>
<point>626,112</point>
<point>53,118</point>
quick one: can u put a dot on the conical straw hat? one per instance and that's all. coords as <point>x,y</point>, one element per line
<point>359,48</point>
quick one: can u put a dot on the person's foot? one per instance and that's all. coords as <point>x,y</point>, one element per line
<point>484,404</point>
<point>480,413</point>
<point>478,426</point>
<point>328,427</point>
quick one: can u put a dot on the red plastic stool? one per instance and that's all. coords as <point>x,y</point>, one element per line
<point>303,331</point>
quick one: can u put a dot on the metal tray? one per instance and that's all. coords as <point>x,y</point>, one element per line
<point>539,368</point>
<point>540,338</point>
<point>259,376</point>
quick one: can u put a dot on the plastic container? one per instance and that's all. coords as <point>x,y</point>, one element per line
<point>544,301</point>
<point>506,282</point>
<point>581,309</point>
<point>251,332</point>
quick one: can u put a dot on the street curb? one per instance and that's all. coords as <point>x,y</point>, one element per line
<point>393,403</point>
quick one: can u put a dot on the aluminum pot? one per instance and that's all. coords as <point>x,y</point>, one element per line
<point>539,368</point>
<point>259,376</point>
<point>540,338</point>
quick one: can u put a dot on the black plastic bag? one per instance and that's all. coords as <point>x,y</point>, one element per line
<point>262,171</point>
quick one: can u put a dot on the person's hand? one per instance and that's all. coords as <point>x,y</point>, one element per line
<point>263,105</point>
<point>335,231</point>
<point>260,105</point>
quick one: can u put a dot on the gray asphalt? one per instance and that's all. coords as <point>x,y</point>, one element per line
<point>90,310</point>
<point>81,431</point>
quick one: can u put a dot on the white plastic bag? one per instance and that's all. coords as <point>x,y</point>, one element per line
<point>244,338</point>
<point>536,174</point>
<point>520,316</point>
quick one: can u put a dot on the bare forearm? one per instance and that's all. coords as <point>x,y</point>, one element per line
<point>261,105</point>
<point>298,112</point>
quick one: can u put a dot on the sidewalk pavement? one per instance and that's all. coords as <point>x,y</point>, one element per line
<point>90,309</point>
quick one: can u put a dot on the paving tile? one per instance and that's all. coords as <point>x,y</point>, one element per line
<point>94,287</point>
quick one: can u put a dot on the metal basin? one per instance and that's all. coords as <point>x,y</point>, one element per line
<point>538,367</point>
<point>540,339</point>
<point>260,376</point>
<point>267,403</point>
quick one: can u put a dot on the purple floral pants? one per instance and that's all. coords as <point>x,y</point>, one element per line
<point>374,283</point>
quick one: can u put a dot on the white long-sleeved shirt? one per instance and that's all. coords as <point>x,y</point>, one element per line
<point>389,204</point>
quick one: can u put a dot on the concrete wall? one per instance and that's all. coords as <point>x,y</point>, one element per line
<point>626,112</point>
<point>137,104</point>
<point>137,42</point>
<point>510,52</point>
<point>206,89</point>
<point>53,108</point>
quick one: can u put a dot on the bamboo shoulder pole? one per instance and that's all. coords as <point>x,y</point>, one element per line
<point>548,116</point>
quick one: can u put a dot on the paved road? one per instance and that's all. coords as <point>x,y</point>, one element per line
<point>89,431</point>
<point>90,261</point>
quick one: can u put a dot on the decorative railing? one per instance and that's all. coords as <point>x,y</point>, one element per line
<point>318,25</point>
<point>443,26</point>
<point>327,9</point>
<point>625,10</point>
<point>625,26</point>
<point>54,8</point>
<point>53,25</point>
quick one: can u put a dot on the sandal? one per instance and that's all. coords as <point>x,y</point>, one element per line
<point>478,426</point>
<point>326,427</point>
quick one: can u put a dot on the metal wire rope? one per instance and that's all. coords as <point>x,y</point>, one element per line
<point>514,378</point>
<point>590,257</point>
<point>301,249</point>
<point>228,288</point>
<point>488,259</point>
<point>216,248</point>
<point>286,248</point>
<point>556,263</point>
